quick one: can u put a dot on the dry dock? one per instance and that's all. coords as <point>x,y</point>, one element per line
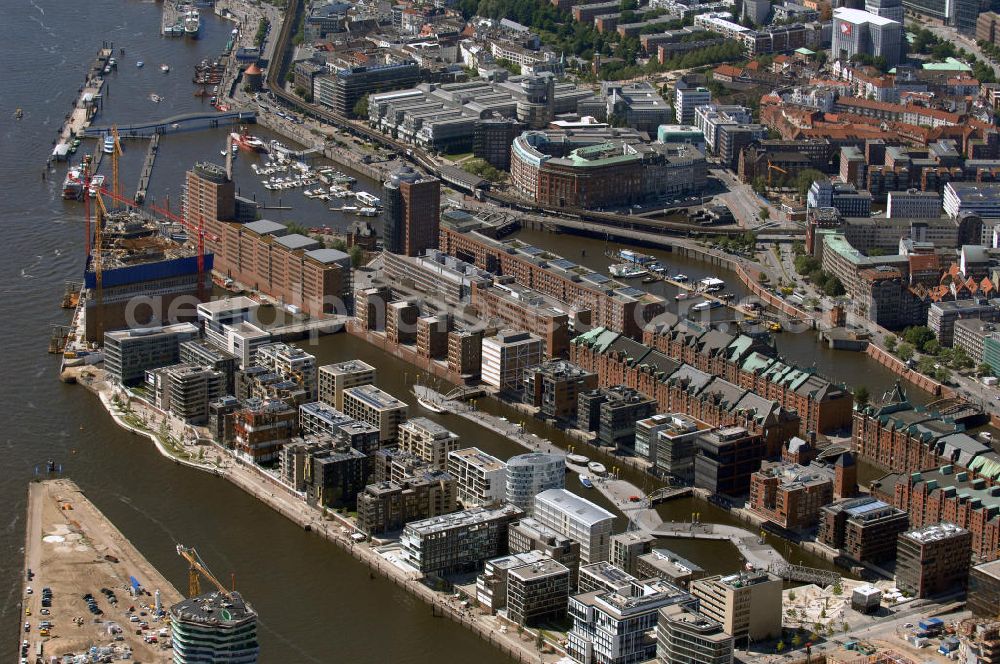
<point>72,549</point>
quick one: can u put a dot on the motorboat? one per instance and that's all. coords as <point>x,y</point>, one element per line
<point>367,212</point>
<point>165,68</point>
<point>597,468</point>
<point>192,22</point>
<point>578,459</point>
<point>109,144</point>
<point>681,278</point>
<point>626,271</point>
<point>367,199</point>
<point>712,284</point>
<point>706,305</point>
<point>155,98</point>
<point>139,64</point>
<point>649,280</point>
<point>96,182</point>
<point>585,481</point>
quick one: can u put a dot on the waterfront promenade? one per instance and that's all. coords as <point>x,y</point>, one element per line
<point>187,445</point>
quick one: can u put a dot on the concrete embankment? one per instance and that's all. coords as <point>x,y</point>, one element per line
<point>899,367</point>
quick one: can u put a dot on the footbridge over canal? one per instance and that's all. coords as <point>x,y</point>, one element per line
<point>176,123</point>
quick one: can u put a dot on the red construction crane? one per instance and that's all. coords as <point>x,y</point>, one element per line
<point>198,230</point>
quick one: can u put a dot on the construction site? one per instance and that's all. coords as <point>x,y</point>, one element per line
<point>143,267</point>
<point>87,590</point>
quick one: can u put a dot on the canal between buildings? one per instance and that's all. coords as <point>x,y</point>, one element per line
<point>316,604</point>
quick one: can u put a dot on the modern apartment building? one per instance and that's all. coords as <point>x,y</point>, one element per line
<point>577,518</point>
<point>864,529</point>
<point>203,353</point>
<point>676,445</point>
<point>530,535</point>
<point>519,308</point>
<point>684,636</point>
<point>261,428</point>
<point>667,565</point>
<point>335,378</point>
<point>457,542</point>
<point>726,460</point>
<point>243,340</point>
<point>481,477</point>
<point>186,390</point>
<point>428,440</point>
<point>292,363</point>
<point>129,354</point>
<point>342,90</point>
<point>387,506</point>
<point>746,604</point>
<point>320,419</point>
<point>537,593</point>
<point>214,627</point>
<point>532,473</point>
<point>554,386</point>
<point>627,547</point>
<point>507,356</point>
<point>378,408</point>
<point>933,559</point>
<point>491,584</point>
<point>619,413</point>
<point>942,316</point>
<point>615,627</point>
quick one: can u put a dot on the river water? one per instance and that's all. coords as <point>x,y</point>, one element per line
<point>315,603</point>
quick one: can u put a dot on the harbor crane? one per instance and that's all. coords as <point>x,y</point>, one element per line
<point>196,569</point>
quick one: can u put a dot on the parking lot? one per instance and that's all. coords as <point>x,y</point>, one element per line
<point>85,585</point>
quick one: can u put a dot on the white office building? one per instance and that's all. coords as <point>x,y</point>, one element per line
<point>214,316</point>
<point>710,117</point>
<point>856,31</point>
<point>243,340</point>
<point>577,518</point>
<point>481,477</point>
<point>688,97</point>
<point>532,473</point>
<point>507,355</point>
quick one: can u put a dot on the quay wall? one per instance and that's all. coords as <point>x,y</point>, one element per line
<point>899,367</point>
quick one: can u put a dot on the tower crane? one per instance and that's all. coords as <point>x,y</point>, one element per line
<point>196,567</point>
<point>770,168</point>
<point>116,185</point>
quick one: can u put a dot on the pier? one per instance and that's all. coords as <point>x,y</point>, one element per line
<point>183,122</point>
<point>73,549</point>
<point>85,106</point>
<point>147,169</point>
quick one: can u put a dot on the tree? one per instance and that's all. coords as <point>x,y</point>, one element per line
<point>905,351</point>
<point>361,107</point>
<point>861,398</point>
<point>960,359</point>
<point>918,335</point>
<point>780,647</point>
<point>539,641</point>
<point>942,375</point>
<point>932,347</point>
<point>926,365</point>
<point>765,213</point>
<point>890,343</point>
<point>357,255</point>
<point>295,227</point>
<point>833,287</point>
<point>984,369</point>
<point>837,588</point>
<point>796,641</point>
<point>805,178</point>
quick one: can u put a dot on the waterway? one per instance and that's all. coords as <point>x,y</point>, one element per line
<point>316,604</point>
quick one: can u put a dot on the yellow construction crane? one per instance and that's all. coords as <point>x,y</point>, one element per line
<point>100,214</point>
<point>196,567</point>
<point>770,168</point>
<point>116,186</point>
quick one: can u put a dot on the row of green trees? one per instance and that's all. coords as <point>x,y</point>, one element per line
<point>809,266</point>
